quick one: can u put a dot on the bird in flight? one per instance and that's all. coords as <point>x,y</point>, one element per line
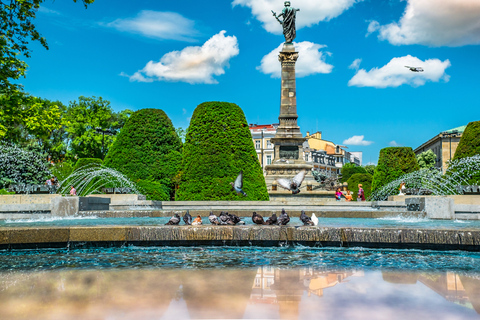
<point>294,183</point>
<point>238,185</point>
<point>415,69</point>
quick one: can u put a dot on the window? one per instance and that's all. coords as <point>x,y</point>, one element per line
<point>269,159</point>
<point>257,144</point>
<point>306,156</point>
<point>269,145</point>
<point>258,282</point>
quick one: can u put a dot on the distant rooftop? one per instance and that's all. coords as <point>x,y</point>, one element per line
<point>263,126</point>
<point>458,129</point>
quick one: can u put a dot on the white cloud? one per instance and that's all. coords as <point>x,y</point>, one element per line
<point>192,64</point>
<point>310,60</point>
<point>394,143</point>
<point>159,25</point>
<point>355,64</point>
<point>311,11</point>
<point>42,9</point>
<point>357,141</point>
<point>434,23</point>
<point>394,73</point>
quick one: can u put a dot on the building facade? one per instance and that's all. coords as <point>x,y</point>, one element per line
<point>261,135</point>
<point>444,145</point>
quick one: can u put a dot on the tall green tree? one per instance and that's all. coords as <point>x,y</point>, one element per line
<point>426,159</point>
<point>469,144</point>
<point>17,30</point>
<point>217,147</point>
<point>81,120</point>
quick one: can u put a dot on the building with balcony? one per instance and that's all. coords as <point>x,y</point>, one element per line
<point>261,135</point>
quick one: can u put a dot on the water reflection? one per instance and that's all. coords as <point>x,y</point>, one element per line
<point>264,292</point>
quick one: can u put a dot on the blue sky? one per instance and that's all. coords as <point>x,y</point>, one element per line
<point>351,79</point>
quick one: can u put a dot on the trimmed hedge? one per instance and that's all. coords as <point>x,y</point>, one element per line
<point>84,162</point>
<point>365,179</point>
<point>350,169</point>
<point>147,148</point>
<point>217,146</point>
<point>153,190</point>
<point>469,144</point>
<point>393,162</point>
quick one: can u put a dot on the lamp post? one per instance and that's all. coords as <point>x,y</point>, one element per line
<point>104,132</point>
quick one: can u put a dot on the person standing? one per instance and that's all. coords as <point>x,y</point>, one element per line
<point>361,193</point>
<point>73,191</point>
<point>402,189</point>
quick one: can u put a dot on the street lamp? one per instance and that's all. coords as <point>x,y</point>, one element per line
<point>104,132</point>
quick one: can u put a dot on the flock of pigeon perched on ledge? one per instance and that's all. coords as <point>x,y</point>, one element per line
<point>226,218</point>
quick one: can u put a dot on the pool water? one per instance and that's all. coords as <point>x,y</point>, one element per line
<point>238,283</point>
<point>387,222</point>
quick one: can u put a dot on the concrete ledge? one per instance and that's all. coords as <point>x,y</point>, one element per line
<point>11,238</point>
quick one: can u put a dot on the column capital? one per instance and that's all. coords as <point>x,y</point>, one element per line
<point>287,57</point>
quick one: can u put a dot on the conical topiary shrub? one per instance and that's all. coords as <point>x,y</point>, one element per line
<point>217,146</point>
<point>469,144</point>
<point>393,162</point>
<point>147,149</point>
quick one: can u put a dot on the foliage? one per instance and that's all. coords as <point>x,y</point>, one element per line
<point>83,117</point>
<point>5,192</point>
<point>426,159</point>
<point>21,166</point>
<point>393,162</point>
<point>370,168</point>
<point>349,169</point>
<point>360,178</point>
<point>147,148</point>
<point>83,162</point>
<point>62,170</point>
<point>23,116</point>
<point>17,30</point>
<point>153,190</point>
<point>182,133</point>
<point>217,147</point>
<point>469,144</point>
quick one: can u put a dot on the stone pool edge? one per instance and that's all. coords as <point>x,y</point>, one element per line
<point>13,238</point>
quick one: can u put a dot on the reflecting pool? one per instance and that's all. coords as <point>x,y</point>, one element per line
<point>238,283</point>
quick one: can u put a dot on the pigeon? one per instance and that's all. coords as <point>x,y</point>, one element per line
<point>197,221</point>
<point>314,219</point>
<point>294,183</point>
<point>225,219</point>
<point>272,219</point>
<point>283,219</point>
<point>238,185</point>
<point>257,219</point>
<point>213,219</point>
<point>307,221</point>
<point>175,220</point>
<point>187,218</point>
<point>415,69</point>
<point>235,219</point>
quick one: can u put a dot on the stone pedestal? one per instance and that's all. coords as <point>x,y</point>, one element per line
<point>288,141</point>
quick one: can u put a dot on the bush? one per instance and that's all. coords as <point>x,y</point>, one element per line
<point>153,190</point>
<point>5,192</point>
<point>360,178</point>
<point>84,162</point>
<point>21,166</point>
<point>62,170</point>
<point>426,159</point>
<point>349,169</point>
<point>217,146</point>
<point>147,148</point>
<point>370,169</point>
<point>469,144</point>
<point>393,162</point>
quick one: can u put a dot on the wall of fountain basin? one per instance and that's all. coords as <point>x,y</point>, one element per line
<point>115,236</point>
